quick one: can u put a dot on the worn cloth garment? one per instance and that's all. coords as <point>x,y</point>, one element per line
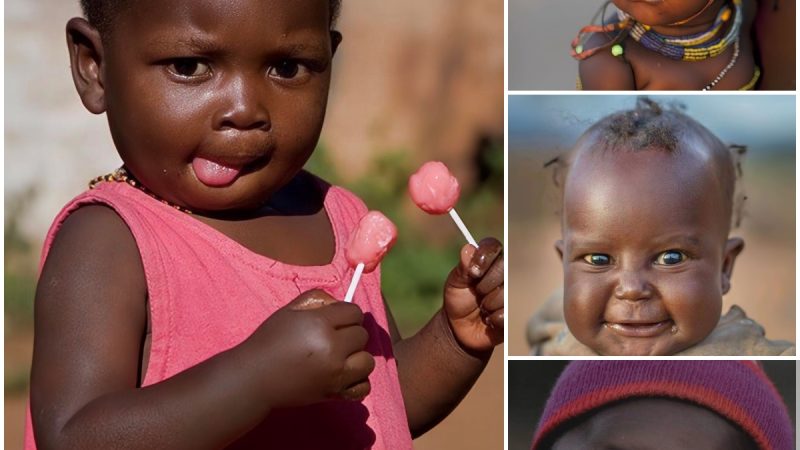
<point>735,335</point>
<point>207,293</point>
<point>739,391</point>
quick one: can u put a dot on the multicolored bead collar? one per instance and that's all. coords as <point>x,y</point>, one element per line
<point>693,47</point>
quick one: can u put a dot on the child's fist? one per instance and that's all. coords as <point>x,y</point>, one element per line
<point>474,296</point>
<point>311,350</point>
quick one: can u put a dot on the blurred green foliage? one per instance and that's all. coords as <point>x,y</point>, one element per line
<point>413,273</point>
<point>19,277</point>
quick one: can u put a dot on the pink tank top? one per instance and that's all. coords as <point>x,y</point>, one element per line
<point>207,293</point>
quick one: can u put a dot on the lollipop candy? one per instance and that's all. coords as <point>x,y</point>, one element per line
<point>435,190</point>
<point>373,237</point>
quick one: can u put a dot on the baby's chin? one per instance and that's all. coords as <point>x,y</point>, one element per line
<point>661,346</point>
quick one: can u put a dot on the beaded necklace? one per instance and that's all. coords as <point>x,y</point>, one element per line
<point>725,70</point>
<point>121,175</point>
<point>694,47</point>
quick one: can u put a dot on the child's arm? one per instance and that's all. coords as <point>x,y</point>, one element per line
<point>604,71</point>
<point>439,364</point>
<point>90,316</point>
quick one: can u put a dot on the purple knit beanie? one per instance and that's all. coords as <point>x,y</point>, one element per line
<point>740,391</point>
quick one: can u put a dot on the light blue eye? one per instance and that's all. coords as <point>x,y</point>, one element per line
<point>670,257</point>
<point>597,259</point>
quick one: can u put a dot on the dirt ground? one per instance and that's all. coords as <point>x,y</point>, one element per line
<point>476,424</point>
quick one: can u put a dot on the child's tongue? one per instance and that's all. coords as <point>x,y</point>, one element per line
<point>214,174</point>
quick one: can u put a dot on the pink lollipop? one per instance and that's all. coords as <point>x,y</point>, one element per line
<point>373,237</point>
<point>435,190</point>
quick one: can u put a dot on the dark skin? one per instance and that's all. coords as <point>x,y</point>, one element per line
<point>645,248</point>
<point>654,424</point>
<point>774,31</point>
<point>643,69</point>
<point>243,84</point>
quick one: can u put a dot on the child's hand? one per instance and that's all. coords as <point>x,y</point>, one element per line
<point>474,298</point>
<point>311,350</point>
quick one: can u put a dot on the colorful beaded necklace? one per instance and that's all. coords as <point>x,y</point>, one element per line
<point>694,47</point>
<point>121,175</point>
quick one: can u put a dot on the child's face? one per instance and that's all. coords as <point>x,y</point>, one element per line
<point>661,12</point>
<point>214,105</point>
<point>645,252</point>
<point>654,423</point>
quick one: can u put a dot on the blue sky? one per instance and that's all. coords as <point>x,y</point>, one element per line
<point>762,122</point>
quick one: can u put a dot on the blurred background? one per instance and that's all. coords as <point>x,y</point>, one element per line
<point>540,32</point>
<point>543,126</point>
<point>530,383</point>
<point>413,81</point>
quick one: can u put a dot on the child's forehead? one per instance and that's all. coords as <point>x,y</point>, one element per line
<point>183,13</point>
<point>654,167</point>
<point>640,420</point>
<point>278,8</point>
<point>252,27</point>
<point>652,191</point>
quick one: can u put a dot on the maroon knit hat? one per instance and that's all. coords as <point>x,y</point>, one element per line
<point>740,391</point>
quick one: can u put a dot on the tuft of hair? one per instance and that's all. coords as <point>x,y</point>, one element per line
<point>646,126</point>
<point>101,13</point>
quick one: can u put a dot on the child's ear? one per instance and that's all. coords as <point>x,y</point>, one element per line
<point>560,249</point>
<point>86,61</point>
<point>336,39</point>
<point>733,247</point>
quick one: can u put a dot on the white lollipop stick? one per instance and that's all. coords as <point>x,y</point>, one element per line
<point>352,289</point>
<point>462,227</point>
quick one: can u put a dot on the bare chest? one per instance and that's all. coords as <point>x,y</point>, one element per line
<point>727,71</point>
<point>303,240</point>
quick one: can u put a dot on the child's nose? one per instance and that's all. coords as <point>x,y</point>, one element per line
<point>633,285</point>
<point>244,105</point>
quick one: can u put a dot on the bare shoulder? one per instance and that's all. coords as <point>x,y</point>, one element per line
<point>93,242</point>
<point>604,71</point>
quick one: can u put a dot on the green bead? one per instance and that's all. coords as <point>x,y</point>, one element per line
<point>616,50</point>
<point>579,49</point>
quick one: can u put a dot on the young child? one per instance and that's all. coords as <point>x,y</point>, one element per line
<point>669,45</point>
<point>189,301</point>
<point>647,204</point>
<point>676,404</point>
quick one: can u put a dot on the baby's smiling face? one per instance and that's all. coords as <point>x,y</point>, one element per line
<point>645,251</point>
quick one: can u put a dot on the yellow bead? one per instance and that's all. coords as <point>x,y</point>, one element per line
<point>616,50</point>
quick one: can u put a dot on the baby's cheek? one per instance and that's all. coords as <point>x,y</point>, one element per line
<point>695,305</point>
<point>584,303</point>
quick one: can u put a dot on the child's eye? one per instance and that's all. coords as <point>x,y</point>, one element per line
<point>189,67</point>
<point>670,257</point>
<point>289,69</point>
<point>597,259</point>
